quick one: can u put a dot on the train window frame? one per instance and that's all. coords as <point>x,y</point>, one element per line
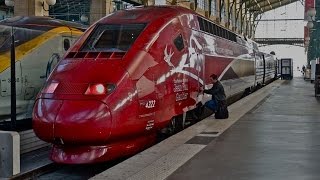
<point>214,29</point>
<point>211,28</point>
<point>179,44</point>
<point>206,27</point>
<point>66,44</point>
<point>225,34</point>
<point>95,41</point>
<point>200,20</point>
<point>219,31</point>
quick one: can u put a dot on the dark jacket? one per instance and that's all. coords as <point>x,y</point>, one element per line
<point>217,92</point>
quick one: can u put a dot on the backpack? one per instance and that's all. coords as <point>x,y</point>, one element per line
<point>222,111</point>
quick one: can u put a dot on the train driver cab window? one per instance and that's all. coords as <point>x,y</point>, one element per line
<point>66,44</point>
<point>22,35</point>
<point>113,37</point>
<point>178,42</point>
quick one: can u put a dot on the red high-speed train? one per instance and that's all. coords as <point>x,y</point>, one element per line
<point>136,72</point>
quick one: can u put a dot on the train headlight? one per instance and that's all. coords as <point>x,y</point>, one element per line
<point>51,88</point>
<point>99,89</point>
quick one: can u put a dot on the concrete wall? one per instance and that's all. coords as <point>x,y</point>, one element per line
<point>99,9</point>
<point>30,8</point>
<point>9,154</point>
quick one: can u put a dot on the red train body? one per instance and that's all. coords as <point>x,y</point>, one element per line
<point>131,73</point>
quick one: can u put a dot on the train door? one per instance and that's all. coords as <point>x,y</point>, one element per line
<point>264,69</point>
<point>255,68</point>
<point>259,69</point>
<point>198,59</point>
<point>5,81</point>
<point>66,43</point>
<point>182,83</point>
<point>148,102</point>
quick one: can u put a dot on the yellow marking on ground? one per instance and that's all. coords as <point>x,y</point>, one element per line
<point>27,47</point>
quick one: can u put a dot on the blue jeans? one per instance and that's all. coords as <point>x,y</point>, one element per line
<point>212,104</point>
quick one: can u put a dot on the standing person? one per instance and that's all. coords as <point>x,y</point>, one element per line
<point>218,103</point>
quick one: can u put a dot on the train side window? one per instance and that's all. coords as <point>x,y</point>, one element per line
<point>227,35</point>
<point>222,33</point>
<point>207,26</point>
<point>201,23</point>
<point>219,31</point>
<point>178,42</point>
<point>233,37</point>
<point>214,29</point>
<point>66,44</point>
<point>204,25</point>
<point>211,28</point>
<point>255,46</point>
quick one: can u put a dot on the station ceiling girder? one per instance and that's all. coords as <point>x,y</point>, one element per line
<point>271,4</point>
<point>260,6</point>
<point>244,11</point>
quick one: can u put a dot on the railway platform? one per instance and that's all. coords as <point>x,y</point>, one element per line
<point>270,134</point>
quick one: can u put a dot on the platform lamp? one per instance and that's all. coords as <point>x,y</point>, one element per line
<point>311,17</point>
<point>49,2</point>
<point>9,3</point>
<point>84,19</point>
<point>307,41</point>
<point>13,117</point>
<point>312,22</point>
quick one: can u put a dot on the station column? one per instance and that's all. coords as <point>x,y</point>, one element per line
<point>31,8</point>
<point>99,9</point>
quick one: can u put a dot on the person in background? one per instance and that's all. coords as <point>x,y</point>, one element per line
<point>217,92</point>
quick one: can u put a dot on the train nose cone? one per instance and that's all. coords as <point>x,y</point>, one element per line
<point>44,115</point>
<point>82,122</point>
<point>72,122</point>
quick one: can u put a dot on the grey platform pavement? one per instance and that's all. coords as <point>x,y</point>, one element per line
<point>279,139</point>
<point>207,151</point>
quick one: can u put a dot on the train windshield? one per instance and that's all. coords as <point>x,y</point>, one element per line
<point>21,36</point>
<point>113,37</point>
<point>5,33</point>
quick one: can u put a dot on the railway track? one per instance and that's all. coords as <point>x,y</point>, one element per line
<point>61,171</point>
<point>21,125</point>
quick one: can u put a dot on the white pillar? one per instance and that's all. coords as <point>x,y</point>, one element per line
<point>99,9</point>
<point>9,154</point>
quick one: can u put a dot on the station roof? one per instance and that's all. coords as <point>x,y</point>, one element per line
<point>76,7</point>
<point>261,6</point>
<point>71,6</point>
<point>258,6</point>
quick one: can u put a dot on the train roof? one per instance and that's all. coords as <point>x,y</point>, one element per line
<point>146,14</point>
<point>40,23</point>
<point>143,14</point>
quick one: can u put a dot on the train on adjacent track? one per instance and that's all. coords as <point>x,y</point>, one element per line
<point>39,44</point>
<point>136,72</point>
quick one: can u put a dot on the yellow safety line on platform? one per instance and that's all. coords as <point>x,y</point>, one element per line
<point>26,48</point>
